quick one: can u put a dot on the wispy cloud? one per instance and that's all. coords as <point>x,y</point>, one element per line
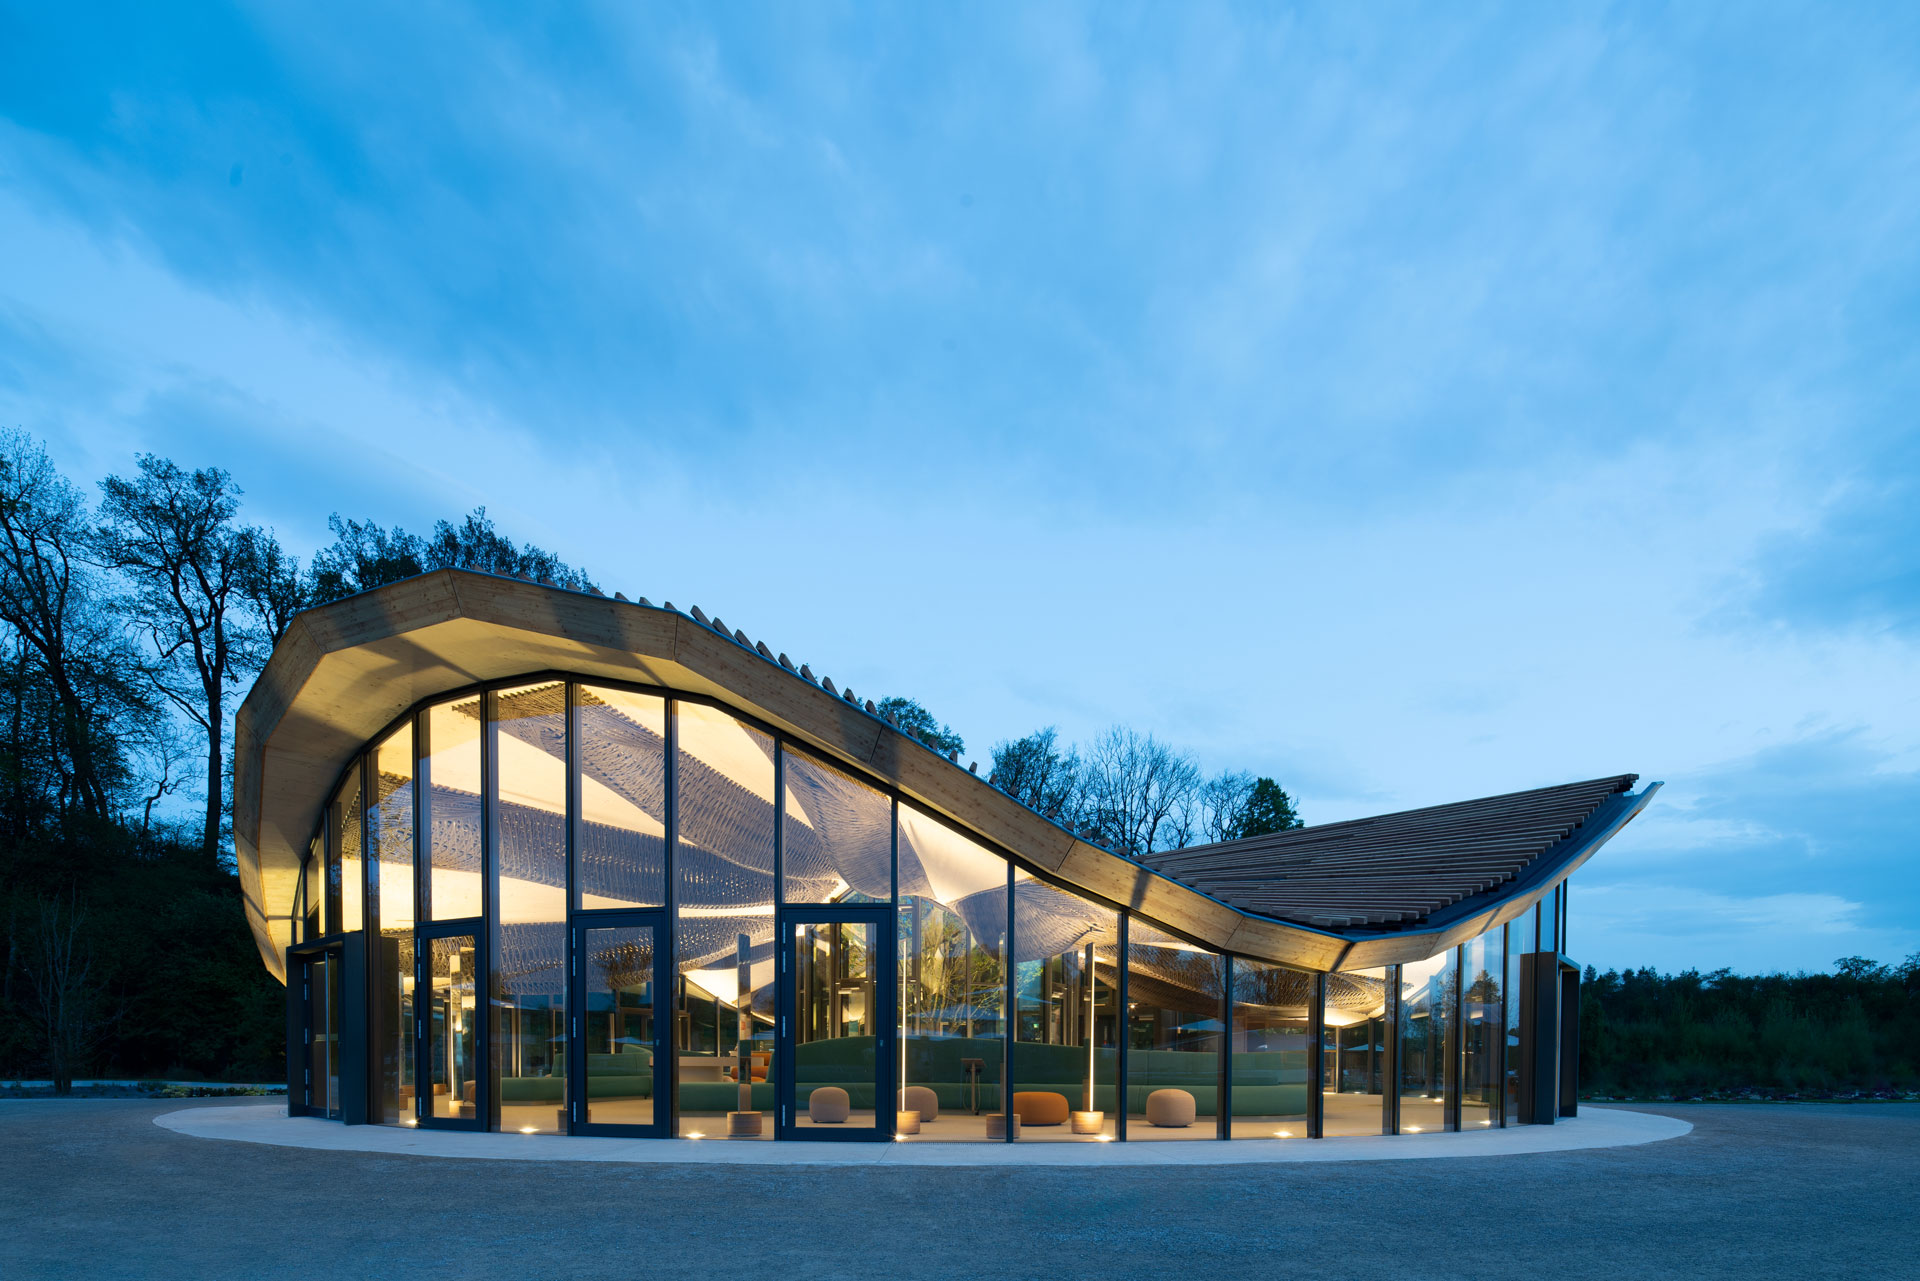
<point>1410,408</point>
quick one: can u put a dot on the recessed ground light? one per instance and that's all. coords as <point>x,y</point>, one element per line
<point>1106,1138</point>
<point>696,1136</point>
<point>1413,1129</point>
<point>1283,1134</point>
<point>528,1129</point>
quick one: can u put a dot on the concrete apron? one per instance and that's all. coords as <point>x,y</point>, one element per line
<point>1593,1128</point>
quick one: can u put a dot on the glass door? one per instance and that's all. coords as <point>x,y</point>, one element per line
<point>837,998</point>
<point>452,1074</point>
<point>319,977</point>
<point>619,1025</point>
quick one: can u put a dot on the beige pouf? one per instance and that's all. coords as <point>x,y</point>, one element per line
<point>1040,1107</point>
<point>828,1105</point>
<point>1170,1108</point>
<point>921,1099</point>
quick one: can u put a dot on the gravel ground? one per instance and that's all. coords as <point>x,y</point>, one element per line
<point>91,1188</point>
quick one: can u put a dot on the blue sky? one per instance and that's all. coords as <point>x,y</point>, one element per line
<point>1409,404</point>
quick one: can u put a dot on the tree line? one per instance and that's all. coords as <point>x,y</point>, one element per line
<point>1646,1035</point>
<point>129,625</point>
<point>1127,791</point>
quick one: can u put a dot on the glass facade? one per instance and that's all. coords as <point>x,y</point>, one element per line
<point>1271,1057</point>
<point>1482,1029</point>
<point>620,809</point>
<point>724,919</point>
<point>1066,1024</point>
<point>1426,1009</point>
<point>952,950</point>
<point>1353,1061</point>
<point>1176,1011</point>
<point>390,931</point>
<point>584,906</point>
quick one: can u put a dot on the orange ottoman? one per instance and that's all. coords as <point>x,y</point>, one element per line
<point>1041,1107</point>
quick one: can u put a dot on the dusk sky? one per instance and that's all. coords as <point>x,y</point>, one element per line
<point>1409,406</point>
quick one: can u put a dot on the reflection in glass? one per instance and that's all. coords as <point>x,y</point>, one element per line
<point>952,949</point>
<point>450,1023</point>
<point>620,831</point>
<point>1066,1013</point>
<point>1549,913</point>
<point>1481,1028</point>
<point>450,800</point>
<point>1519,943</point>
<point>1174,994</point>
<point>529,1029</point>
<point>835,1000</point>
<point>1426,1002</point>
<point>313,892</point>
<point>323,1036</point>
<point>724,865</point>
<point>617,1025</point>
<point>1353,1059</point>
<point>345,873</point>
<point>1271,1056</point>
<point>838,836</point>
<point>390,877</point>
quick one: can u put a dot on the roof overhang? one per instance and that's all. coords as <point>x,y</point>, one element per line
<point>345,671</point>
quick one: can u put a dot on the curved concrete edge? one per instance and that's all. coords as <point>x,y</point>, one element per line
<point>1604,1128</point>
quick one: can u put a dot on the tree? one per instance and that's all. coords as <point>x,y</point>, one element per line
<point>1223,806</point>
<point>55,605</point>
<point>172,534</point>
<point>1136,791</point>
<point>60,1000</point>
<point>272,586</point>
<point>921,723</point>
<point>1268,809</point>
<point>1038,773</point>
<point>364,556</point>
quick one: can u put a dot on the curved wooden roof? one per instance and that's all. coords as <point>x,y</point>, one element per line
<point>344,671</point>
<point>1394,870</point>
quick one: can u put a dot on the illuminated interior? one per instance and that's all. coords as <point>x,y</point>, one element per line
<point>582,908</point>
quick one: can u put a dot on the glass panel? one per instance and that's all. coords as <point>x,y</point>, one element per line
<point>1174,991</point>
<point>1066,1051</point>
<point>1354,1056</point>
<point>1518,940</point>
<point>323,1036</point>
<point>1426,996</point>
<point>345,873</point>
<point>530,903</point>
<point>620,832</point>
<point>1272,1048</point>
<point>838,837</point>
<point>724,863</point>
<point>1481,1027</point>
<point>313,892</point>
<point>836,1063</point>
<point>1550,922</point>
<point>390,874</point>
<point>617,1028</point>
<point>450,796</point>
<point>530,769</point>
<point>952,948</point>
<point>451,1016</point>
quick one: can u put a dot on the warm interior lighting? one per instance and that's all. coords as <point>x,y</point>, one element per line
<point>1413,1129</point>
<point>1283,1134</point>
<point>528,1129</point>
<point>696,1135</point>
<point>1106,1138</point>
